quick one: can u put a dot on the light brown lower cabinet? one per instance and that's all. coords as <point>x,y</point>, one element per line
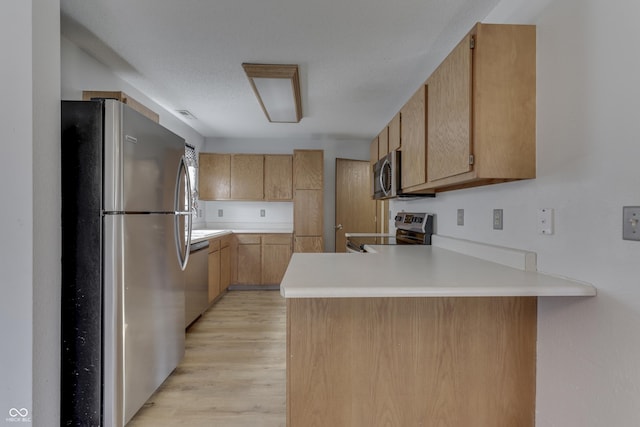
<point>308,244</point>
<point>227,251</point>
<point>249,259</point>
<point>214,269</point>
<point>276,253</point>
<point>262,258</point>
<point>411,361</point>
<point>221,256</point>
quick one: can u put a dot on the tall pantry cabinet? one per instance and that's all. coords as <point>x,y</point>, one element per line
<point>308,184</point>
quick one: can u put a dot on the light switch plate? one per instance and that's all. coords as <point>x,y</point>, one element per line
<point>460,216</point>
<point>545,221</point>
<point>220,212</point>
<point>631,223</point>
<point>497,219</point>
<point>262,212</point>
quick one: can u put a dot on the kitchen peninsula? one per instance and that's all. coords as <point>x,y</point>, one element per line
<point>413,336</point>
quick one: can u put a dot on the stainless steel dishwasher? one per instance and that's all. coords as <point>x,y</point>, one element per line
<point>196,295</point>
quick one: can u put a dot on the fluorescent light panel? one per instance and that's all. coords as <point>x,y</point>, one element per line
<point>278,90</point>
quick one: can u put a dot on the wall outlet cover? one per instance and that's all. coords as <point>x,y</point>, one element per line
<point>631,223</point>
<point>497,219</point>
<point>545,221</point>
<point>460,216</point>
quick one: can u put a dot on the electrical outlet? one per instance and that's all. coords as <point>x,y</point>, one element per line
<point>460,216</point>
<point>545,221</point>
<point>200,213</point>
<point>220,212</point>
<point>497,219</point>
<point>262,212</point>
<point>631,222</point>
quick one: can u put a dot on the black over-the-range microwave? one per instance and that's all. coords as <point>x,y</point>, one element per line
<point>386,179</point>
<point>386,176</point>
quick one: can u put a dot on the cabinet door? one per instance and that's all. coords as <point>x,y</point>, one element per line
<point>383,143</point>
<point>225,268</point>
<point>394,133</point>
<point>413,131</point>
<point>247,177</point>
<point>278,177</point>
<point>307,213</point>
<point>249,264</point>
<point>214,275</point>
<point>308,169</point>
<point>308,244</point>
<point>214,176</point>
<point>276,253</point>
<point>373,151</point>
<point>449,118</point>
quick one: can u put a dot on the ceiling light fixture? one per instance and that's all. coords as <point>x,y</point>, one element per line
<point>278,90</point>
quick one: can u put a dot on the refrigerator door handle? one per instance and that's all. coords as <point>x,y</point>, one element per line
<point>183,253</point>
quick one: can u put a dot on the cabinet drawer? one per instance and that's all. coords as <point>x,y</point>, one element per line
<point>248,239</point>
<point>226,241</point>
<point>214,245</point>
<point>276,239</point>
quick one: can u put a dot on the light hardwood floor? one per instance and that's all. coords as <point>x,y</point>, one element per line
<point>233,373</point>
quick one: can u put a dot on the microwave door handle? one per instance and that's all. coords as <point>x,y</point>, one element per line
<point>385,165</point>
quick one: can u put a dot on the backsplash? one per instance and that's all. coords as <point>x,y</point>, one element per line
<point>249,214</point>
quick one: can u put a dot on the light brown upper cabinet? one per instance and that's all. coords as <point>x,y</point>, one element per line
<point>214,176</point>
<point>308,169</point>
<point>394,133</point>
<point>247,177</point>
<point>278,176</point>
<point>482,110</point>
<point>413,131</point>
<point>383,143</point>
<point>308,206</point>
<point>373,151</point>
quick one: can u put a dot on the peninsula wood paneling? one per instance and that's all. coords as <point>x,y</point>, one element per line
<point>411,361</point>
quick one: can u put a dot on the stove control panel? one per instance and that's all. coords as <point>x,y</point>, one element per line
<point>417,222</point>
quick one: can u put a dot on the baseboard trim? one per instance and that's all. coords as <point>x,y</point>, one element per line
<point>254,287</point>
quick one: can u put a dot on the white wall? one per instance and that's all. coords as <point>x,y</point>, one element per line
<point>588,130</point>
<point>16,215</point>
<point>30,214</point>
<point>80,72</point>
<point>355,149</point>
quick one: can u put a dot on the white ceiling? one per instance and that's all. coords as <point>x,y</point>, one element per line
<point>360,60</point>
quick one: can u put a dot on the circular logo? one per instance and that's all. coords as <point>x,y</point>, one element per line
<point>22,412</point>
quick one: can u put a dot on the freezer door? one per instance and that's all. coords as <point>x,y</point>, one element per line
<point>144,332</point>
<point>141,162</point>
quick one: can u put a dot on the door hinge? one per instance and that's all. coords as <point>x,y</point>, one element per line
<point>471,159</point>
<point>472,42</point>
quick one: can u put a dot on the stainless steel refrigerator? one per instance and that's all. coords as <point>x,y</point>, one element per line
<point>126,228</point>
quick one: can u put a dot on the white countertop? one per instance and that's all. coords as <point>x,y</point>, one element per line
<point>198,235</point>
<point>416,271</point>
